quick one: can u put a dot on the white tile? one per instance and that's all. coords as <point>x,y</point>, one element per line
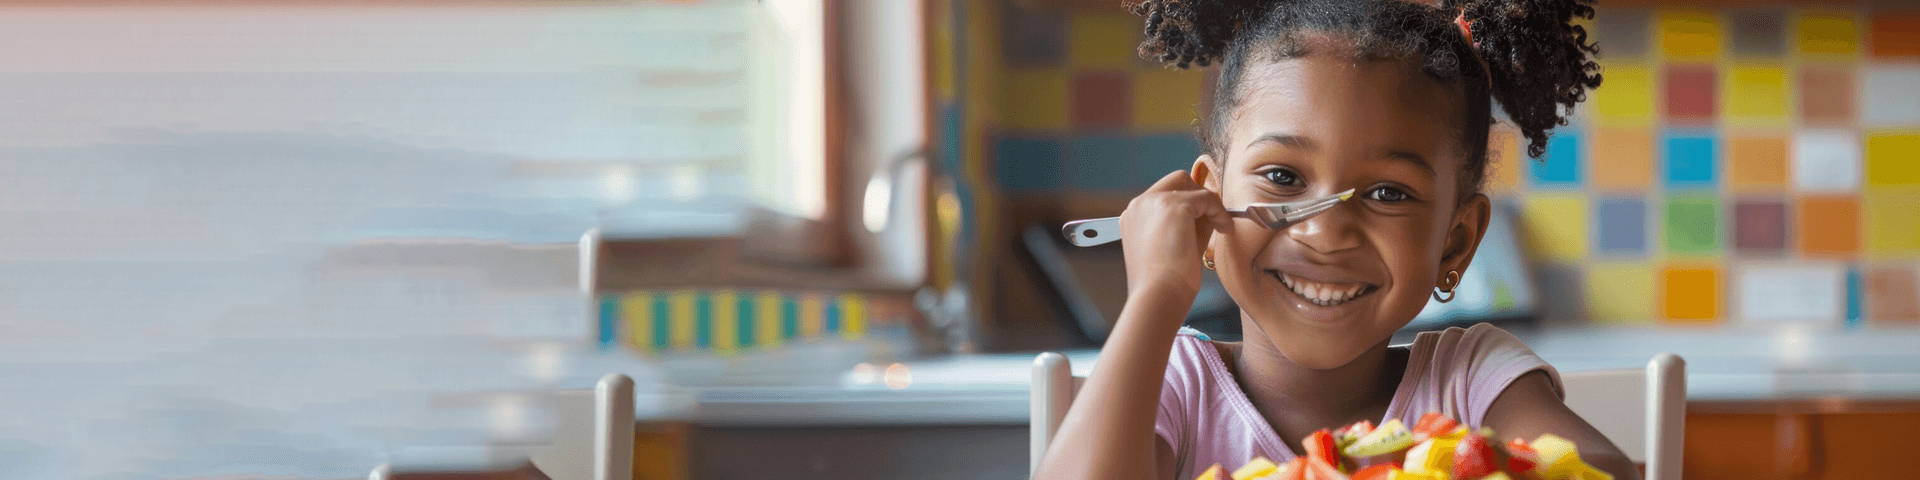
<point>1826,161</point>
<point>1890,95</point>
<point>1792,294</point>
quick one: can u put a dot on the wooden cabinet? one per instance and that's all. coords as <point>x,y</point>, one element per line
<point>1802,439</point>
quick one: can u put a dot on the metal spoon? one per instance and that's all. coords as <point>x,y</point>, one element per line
<point>1097,231</point>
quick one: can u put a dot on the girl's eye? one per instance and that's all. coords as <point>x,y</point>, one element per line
<point>1283,177</point>
<point>1387,194</point>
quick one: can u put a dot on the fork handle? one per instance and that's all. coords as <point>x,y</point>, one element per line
<point>1093,231</point>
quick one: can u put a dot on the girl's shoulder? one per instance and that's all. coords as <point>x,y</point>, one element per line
<point>1469,367</point>
<point>1479,335</point>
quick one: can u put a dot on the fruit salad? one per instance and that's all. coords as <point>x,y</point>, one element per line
<point>1436,448</point>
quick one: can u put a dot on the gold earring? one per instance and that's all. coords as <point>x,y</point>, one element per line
<point>1207,259</point>
<point>1451,284</point>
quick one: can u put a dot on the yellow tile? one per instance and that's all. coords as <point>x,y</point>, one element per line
<point>1754,95</point>
<point>1893,158</point>
<point>726,321</point>
<point>945,68</point>
<point>1626,98</point>
<point>636,310</point>
<point>1504,159</point>
<point>1167,99</point>
<point>766,319</point>
<point>1619,293</point>
<point>1557,226</point>
<point>853,316</point>
<point>1689,34</point>
<point>1095,40</point>
<point>1034,100</point>
<point>1828,33</point>
<point>680,322</point>
<point>1893,227</point>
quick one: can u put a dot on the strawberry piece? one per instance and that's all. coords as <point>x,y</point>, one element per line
<point>1356,430</point>
<point>1473,457</point>
<point>1523,458</point>
<point>1295,469</point>
<point>1319,445</point>
<point>1376,472</point>
<point>1433,424</point>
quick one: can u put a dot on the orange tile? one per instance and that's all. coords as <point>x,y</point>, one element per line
<point>1895,35</point>
<point>1690,294</point>
<point>1757,162</point>
<point>1891,297</point>
<point>1622,157</point>
<point>1828,225</point>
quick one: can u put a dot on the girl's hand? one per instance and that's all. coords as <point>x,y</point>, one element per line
<point>1166,230</point>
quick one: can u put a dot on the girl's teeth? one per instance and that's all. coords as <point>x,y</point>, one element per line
<point>1321,294</point>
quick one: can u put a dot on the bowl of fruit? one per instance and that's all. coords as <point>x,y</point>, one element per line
<point>1436,448</point>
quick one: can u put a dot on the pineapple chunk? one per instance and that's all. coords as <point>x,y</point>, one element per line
<point>1212,473</point>
<point>1257,468</point>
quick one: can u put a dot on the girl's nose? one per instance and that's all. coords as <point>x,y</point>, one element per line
<point>1329,232</point>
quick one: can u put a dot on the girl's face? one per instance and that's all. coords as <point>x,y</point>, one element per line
<point>1328,289</point>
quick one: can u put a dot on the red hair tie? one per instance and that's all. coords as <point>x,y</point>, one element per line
<point>1466,27</point>
<point>1466,30</point>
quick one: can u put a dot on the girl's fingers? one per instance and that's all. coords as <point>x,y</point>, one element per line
<point>1206,209</point>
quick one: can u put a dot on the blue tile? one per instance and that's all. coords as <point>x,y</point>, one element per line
<point>660,321</point>
<point>1027,163</point>
<point>1561,167</point>
<point>609,321</point>
<point>746,309</point>
<point>703,320</point>
<point>1854,285</point>
<point>1692,160</point>
<point>789,317</point>
<point>1620,226</point>
<point>1162,154</point>
<point>831,317</point>
<point>1101,162</point>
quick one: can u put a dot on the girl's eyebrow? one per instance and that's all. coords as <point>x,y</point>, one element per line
<point>1289,140</point>
<point>1412,157</point>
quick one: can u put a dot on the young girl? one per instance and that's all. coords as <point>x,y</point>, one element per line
<point>1388,97</point>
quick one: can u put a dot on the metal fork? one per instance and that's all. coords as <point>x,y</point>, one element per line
<point>1275,216</point>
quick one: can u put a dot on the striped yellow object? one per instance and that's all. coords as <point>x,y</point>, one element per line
<point>726,315</point>
<point>766,319</point>
<point>853,316</point>
<point>636,310</point>
<point>680,319</point>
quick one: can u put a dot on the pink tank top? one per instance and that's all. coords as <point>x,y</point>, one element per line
<point>1208,420</point>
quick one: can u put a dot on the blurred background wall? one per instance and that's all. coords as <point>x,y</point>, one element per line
<point>1742,163</point>
<point>275,238</point>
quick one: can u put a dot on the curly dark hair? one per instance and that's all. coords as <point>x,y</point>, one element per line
<point>1540,63</point>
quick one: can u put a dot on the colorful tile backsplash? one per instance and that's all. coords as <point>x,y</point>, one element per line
<point>1743,164</point>
<point>727,321</point>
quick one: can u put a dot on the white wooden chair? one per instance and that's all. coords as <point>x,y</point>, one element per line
<point>602,452</point>
<point>1611,400</point>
